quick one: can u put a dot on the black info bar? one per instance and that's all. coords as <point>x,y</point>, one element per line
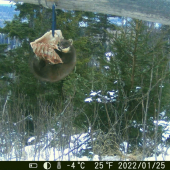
<point>84,165</point>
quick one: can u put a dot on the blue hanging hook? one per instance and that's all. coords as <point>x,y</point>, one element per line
<point>53,19</point>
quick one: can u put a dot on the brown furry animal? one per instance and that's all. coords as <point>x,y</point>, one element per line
<point>46,71</point>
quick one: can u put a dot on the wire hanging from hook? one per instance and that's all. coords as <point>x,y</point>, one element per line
<point>53,19</point>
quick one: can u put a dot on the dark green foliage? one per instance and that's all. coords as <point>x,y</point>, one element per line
<point>18,29</point>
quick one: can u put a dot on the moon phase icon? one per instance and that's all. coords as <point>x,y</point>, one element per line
<point>47,165</point>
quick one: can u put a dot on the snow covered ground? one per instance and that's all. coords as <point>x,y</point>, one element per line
<point>41,152</point>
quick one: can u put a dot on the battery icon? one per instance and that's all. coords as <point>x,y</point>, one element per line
<point>33,165</point>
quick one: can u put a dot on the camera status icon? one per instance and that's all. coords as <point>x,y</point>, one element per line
<point>47,165</point>
<point>33,165</point>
